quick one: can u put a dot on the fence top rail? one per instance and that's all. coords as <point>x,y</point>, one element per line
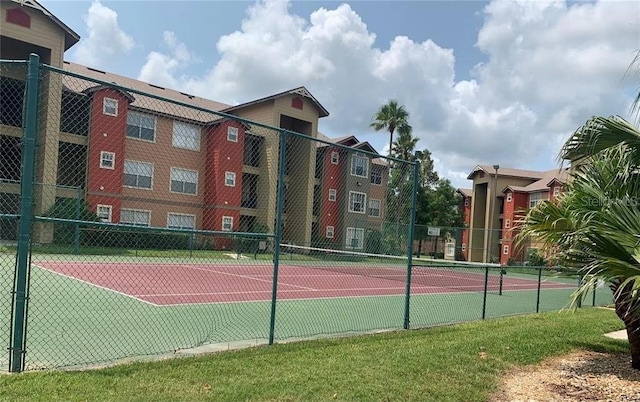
<point>151,229</point>
<point>221,114</point>
<point>8,61</point>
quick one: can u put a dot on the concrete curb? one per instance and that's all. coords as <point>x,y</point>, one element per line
<point>622,335</point>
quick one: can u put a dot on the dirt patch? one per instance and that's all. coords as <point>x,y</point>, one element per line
<point>580,376</point>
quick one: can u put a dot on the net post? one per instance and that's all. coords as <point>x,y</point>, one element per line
<point>502,271</point>
<point>412,223</point>
<point>593,296</point>
<point>539,287</point>
<point>278,232</point>
<point>579,300</point>
<point>484,297</point>
<point>20,299</point>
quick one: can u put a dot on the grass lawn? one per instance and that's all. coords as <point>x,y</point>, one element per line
<point>433,364</point>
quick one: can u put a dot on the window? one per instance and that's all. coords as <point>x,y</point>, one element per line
<point>232,134</point>
<point>509,196</point>
<point>184,181</point>
<point>135,217</point>
<point>505,249</point>
<point>376,177</point>
<point>507,224</point>
<point>556,191</point>
<point>534,198</point>
<point>138,174</point>
<point>335,158</point>
<point>464,247</point>
<point>466,202</point>
<point>357,202</point>
<point>186,136</point>
<point>227,223</point>
<point>107,160</point>
<point>359,166</point>
<point>329,232</point>
<point>181,221</point>
<point>104,212</point>
<point>230,179</point>
<point>374,207</point>
<point>110,107</point>
<point>355,238</point>
<point>332,194</point>
<point>141,126</point>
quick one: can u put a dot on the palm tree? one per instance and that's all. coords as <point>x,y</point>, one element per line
<point>595,224</point>
<point>391,117</point>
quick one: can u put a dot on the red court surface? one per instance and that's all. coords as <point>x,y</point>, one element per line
<point>165,284</point>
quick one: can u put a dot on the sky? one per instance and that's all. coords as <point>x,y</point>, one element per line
<point>485,82</point>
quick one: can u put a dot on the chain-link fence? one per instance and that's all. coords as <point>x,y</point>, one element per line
<point>140,221</point>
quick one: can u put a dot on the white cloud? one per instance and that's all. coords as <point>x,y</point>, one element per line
<point>106,39</point>
<point>161,69</point>
<point>549,67</point>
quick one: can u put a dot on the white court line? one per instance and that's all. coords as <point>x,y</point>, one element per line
<point>94,285</point>
<point>249,277</point>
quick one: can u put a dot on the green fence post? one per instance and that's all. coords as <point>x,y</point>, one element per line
<point>579,300</point>
<point>593,296</point>
<point>278,232</point>
<point>486,286</point>
<point>539,287</point>
<point>76,235</point>
<point>21,279</point>
<point>412,222</point>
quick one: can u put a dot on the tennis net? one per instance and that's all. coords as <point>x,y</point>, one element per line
<point>466,276</point>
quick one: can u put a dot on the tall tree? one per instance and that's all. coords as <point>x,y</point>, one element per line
<point>391,117</point>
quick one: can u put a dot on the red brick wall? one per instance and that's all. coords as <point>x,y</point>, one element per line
<point>106,133</point>
<point>331,178</point>
<point>221,200</point>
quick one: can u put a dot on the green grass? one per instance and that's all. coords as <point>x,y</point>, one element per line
<point>434,364</point>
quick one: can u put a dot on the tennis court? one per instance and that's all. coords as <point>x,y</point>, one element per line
<point>163,284</point>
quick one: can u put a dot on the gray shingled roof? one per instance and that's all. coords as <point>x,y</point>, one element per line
<point>467,192</point>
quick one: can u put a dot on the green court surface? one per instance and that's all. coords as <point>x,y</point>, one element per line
<point>73,323</point>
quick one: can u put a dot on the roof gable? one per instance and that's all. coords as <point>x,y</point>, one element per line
<point>70,36</point>
<point>300,91</point>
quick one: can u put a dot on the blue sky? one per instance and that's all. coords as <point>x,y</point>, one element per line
<point>485,82</point>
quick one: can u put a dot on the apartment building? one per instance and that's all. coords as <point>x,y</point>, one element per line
<point>493,205</point>
<point>139,160</point>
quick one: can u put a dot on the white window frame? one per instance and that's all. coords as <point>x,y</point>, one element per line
<point>108,103</point>
<point>509,196</point>
<point>464,247</point>
<point>466,202</point>
<point>507,224</point>
<point>144,211</point>
<point>533,201</point>
<point>329,232</point>
<point>176,214</point>
<point>232,134</point>
<point>505,249</point>
<point>229,221</point>
<point>351,234</point>
<point>364,202</point>
<point>379,207</point>
<point>109,208</point>
<point>155,125</point>
<point>354,159</point>
<point>556,191</point>
<point>176,170</point>
<point>108,155</point>
<point>333,194</point>
<point>145,163</point>
<point>184,130</point>
<point>335,157</point>
<point>230,179</point>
